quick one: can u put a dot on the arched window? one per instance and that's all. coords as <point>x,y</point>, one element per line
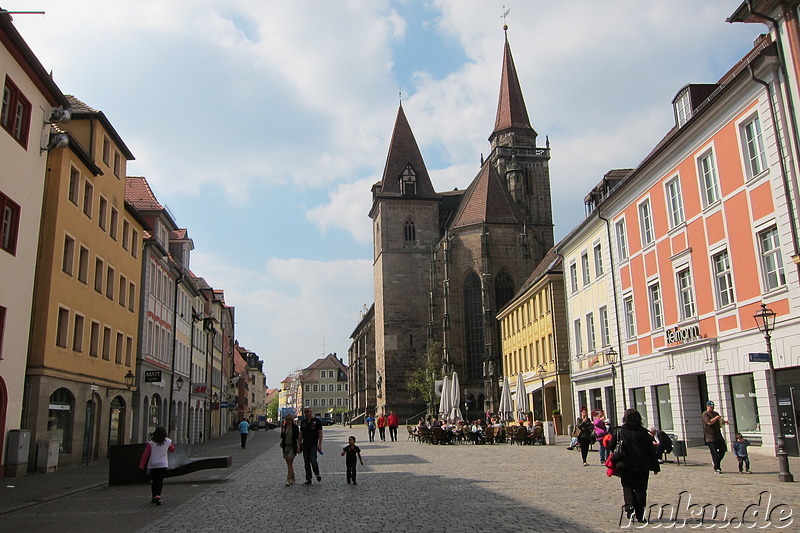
<point>474,343</point>
<point>59,419</point>
<point>409,231</point>
<point>503,290</point>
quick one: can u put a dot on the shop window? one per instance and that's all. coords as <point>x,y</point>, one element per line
<point>59,419</point>
<point>664,405</point>
<point>745,404</point>
<point>640,403</point>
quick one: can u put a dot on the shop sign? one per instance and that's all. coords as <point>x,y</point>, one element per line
<point>152,376</point>
<point>199,388</point>
<point>681,335</point>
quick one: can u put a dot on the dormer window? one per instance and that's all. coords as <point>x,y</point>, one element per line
<point>683,107</point>
<point>408,181</point>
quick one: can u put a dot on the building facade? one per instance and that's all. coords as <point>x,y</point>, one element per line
<point>324,388</point>
<point>361,359</point>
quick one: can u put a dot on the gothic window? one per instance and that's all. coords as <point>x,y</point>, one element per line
<point>408,181</point>
<point>473,326</point>
<point>503,290</point>
<point>409,231</point>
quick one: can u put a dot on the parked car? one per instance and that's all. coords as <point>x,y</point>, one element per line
<point>327,421</point>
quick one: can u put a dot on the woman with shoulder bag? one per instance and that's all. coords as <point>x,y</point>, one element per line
<point>585,430</point>
<point>290,446</point>
<point>634,459</point>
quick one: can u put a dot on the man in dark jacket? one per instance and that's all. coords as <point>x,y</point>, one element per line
<point>662,441</point>
<point>311,443</point>
<point>712,433</point>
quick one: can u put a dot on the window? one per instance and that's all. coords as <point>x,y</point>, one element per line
<point>598,260</point>
<point>123,287</point>
<point>745,403</point>
<point>578,339</point>
<point>308,389</point>
<point>590,332</point>
<point>98,275</point>
<point>10,229</point>
<point>107,343</point>
<point>409,231</point>
<point>408,181</point>
<point>315,387</point>
<point>110,283</point>
<point>88,198</point>
<point>646,223</point>
<point>339,387</point>
<point>656,312</point>
<point>83,265</point>
<point>112,226</point>
<point>106,150</point>
<point>683,108</point>
<point>315,402</point>
<point>771,261</point>
<point>675,203</point>
<point>94,339</point>
<point>685,294</point>
<point>117,164</point>
<point>118,348</point>
<point>59,419</point>
<point>62,327</point>
<point>77,334</point>
<point>664,405</point>
<point>585,268</point>
<point>74,185</point>
<point>128,350</point>
<point>126,234</point>
<point>573,277</point>
<point>475,346</point>
<point>640,403</point>
<point>101,213</point>
<point>630,322</point>
<point>754,147</point>
<point>707,168</point>
<point>622,240</point>
<point>322,402</point>
<point>330,385</point>
<point>15,114</point>
<point>131,295</point>
<point>605,338</point>
<point>723,280</point>
<point>135,243</point>
<point>68,258</point>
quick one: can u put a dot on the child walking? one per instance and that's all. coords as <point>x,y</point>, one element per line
<point>352,451</point>
<point>155,459</point>
<point>740,451</point>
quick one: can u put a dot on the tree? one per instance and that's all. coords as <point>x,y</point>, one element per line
<point>272,409</point>
<point>426,368</point>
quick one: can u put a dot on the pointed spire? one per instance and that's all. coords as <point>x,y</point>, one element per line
<point>404,152</point>
<point>511,111</point>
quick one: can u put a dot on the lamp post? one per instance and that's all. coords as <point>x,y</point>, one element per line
<point>466,414</point>
<point>611,358</point>
<point>129,380</point>
<point>765,320</point>
<point>541,372</point>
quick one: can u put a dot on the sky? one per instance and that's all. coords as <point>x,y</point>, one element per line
<point>263,124</point>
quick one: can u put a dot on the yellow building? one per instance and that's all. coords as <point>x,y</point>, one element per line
<point>86,299</point>
<point>324,387</point>
<point>532,329</point>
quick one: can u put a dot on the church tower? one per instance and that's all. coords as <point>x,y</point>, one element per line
<point>405,224</point>
<point>523,165</point>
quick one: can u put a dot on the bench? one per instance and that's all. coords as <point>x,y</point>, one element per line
<point>123,459</point>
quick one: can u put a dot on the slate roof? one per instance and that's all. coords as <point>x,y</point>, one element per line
<point>487,201</point>
<point>139,194</point>
<point>511,111</point>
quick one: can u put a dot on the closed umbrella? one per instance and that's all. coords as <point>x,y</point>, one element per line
<point>505,400</point>
<point>522,397</point>
<point>455,398</point>
<point>444,402</point>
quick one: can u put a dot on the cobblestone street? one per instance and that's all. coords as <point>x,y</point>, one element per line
<point>406,486</point>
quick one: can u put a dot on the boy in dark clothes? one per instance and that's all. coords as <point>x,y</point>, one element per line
<point>352,451</point>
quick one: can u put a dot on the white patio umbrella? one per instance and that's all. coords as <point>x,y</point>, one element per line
<point>505,400</point>
<point>445,403</point>
<point>455,398</point>
<point>522,396</point>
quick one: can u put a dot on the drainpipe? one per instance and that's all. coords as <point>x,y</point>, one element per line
<point>174,347</point>
<point>616,309</point>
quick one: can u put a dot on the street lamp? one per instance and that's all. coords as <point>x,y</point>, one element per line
<point>765,320</point>
<point>129,380</point>
<point>611,359</point>
<point>541,372</point>
<point>179,384</point>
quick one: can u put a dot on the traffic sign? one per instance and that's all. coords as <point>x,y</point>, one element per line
<point>759,357</point>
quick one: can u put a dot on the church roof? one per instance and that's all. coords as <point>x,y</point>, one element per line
<point>511,111</point>
<point>403,151</point>
<point>487,201</point>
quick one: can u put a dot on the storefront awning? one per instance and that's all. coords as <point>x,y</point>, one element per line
<point>537,384</point>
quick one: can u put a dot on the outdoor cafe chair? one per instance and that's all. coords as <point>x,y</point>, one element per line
<point>411,434</point>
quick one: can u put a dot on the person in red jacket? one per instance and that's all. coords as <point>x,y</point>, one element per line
<point>393,423</point>
<point>382,427</point>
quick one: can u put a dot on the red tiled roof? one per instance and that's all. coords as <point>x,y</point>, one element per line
<point>139,194</point>
<point>511,111</point>
<point>179,234</point>
<point>486,201</point>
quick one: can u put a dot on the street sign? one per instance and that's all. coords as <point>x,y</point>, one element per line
<point>224,405</point>
<point>759,357</point>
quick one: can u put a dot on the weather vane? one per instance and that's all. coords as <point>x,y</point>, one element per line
<point>503,16</point>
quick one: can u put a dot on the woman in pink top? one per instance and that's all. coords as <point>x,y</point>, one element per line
<point>155,459</point>
<point>600,430</point>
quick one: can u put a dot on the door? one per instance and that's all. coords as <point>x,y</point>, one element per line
<point>88,431</point>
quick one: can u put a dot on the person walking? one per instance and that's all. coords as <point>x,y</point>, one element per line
<point>634,461</point>
<point>600,431</point>
<point>393,422</point>
<point>712,434</point>
<point>244,430</point>
<point>311,443</point>
<point>290,436</point>
<point>155,458</point>
<point>382,426</point>
<point>740,451</point>
<point>352,451</point>
<point>370,420</point>
<point>585,429</point>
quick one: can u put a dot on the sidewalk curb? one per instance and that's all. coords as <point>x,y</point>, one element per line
<point>52,498</point>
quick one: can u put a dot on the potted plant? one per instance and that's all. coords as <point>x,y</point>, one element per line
<point>557,421</point>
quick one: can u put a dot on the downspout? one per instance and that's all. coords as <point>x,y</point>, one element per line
<point>174,347</point>
<point>784,174</point>
<point>790,102</point>
<point>616,309</point>
<point>191,369</point>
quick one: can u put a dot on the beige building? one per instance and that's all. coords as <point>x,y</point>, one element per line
<point>324,387</point>
<point>29,97</point>
<point>86,300</point>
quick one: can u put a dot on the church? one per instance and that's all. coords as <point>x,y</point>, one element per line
<point>445,263</point>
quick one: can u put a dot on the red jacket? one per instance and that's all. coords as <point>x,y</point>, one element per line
<point>381,422</point>
<point>393,421</point>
